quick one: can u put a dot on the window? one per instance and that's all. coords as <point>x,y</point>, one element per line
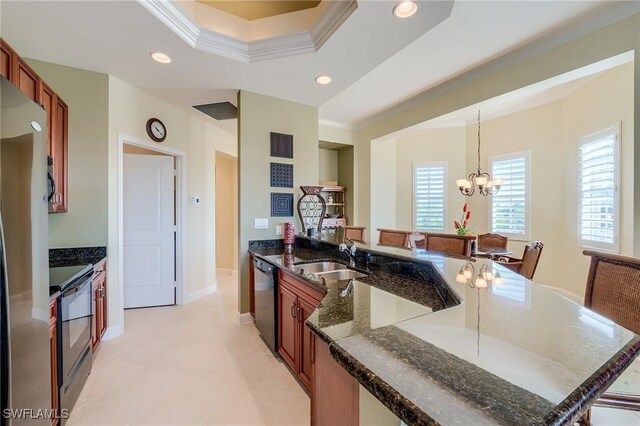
<point>598,191</point>
<point>429,204</point>
<point>509,209</point>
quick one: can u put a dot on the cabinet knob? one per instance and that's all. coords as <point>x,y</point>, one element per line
<point>292,311</point>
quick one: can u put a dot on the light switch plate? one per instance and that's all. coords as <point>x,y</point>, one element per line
<point>260,223</point>
<point>194,199</point>
<point>278,229</point>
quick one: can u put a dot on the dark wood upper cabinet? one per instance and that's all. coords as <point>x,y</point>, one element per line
<point>7,56</point>
<point>59,144</point>
<point>27,80</point>
<point>18,72</point>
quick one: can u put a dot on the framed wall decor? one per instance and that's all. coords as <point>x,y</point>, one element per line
<point>281,175</point>
<point>281,145</point>
<point>281,205</point>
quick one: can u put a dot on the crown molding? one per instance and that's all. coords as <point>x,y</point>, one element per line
<point>333,16</point>
<point>216,43</point>
<point>335,124</point>
<point>174,18</point>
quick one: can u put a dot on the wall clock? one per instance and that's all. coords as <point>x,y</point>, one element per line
<point>156,130</point>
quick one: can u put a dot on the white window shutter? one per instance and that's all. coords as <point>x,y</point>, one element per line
<point>597,191</point>
<point>509,208</point>
<point>429,196</point>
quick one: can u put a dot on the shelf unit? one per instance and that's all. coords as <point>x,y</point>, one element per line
<point>336,207</point>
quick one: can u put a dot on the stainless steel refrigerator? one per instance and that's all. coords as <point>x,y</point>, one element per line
<point>25,378</point>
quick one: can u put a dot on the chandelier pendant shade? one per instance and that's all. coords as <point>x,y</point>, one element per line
<point>479,180</point>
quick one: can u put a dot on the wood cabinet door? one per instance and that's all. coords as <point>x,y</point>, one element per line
<point>48,101</point>
<point>103,300</point>
<point>27,80</point>
<point>53,353</point>
<point>252,289</point>
<point>95,336</point>
<point>7,58</point>
<point>59,154</point>
<point>287,326</point>
<point>306,342</point>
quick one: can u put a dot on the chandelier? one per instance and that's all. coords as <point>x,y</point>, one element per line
<point>486,185</point>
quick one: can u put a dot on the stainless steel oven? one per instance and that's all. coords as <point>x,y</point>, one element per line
<point>74,338</point>
<point>75,312</point>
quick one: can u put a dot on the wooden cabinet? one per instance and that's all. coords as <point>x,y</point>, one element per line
<point>18,72</point>
<point>53,352</point>
<point>99,302</point>
<point>27,80</point>
<point>58,144</point>
<point>7,58</point>
<point>252,289</point>
<point>288,326</point>
<point>334,197</point>
<point>296,301</point>
<point>335,398</point>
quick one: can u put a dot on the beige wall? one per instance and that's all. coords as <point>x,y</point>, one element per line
<point>338,134</point>
<point>551,133</point>
<point>429,145</point>
<point>87,95</point>
<point>226,212</point>
<point>345,178</point>
<point>327,165</point>
<point>495,78</point>
<point>199,139</point>
<point>258,116</point>
<point>383,185</point>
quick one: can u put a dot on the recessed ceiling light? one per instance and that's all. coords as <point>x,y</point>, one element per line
<point>405,8</point>
<point>323,79</point>
<point>161,57</point>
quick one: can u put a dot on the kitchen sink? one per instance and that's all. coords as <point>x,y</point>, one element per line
<point>316,267</point>
<point>340,274</point>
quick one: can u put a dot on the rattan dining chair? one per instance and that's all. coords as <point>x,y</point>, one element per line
<point>528,264</point>
<point>488,242</point>
<point>613,291</point>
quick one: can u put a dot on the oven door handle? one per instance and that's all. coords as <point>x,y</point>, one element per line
<point>76,288</point>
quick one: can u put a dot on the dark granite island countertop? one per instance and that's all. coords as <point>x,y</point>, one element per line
<point>76,256</point>
<point>514,353</point>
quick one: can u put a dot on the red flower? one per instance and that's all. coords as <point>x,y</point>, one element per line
<point>464,208</point>
<point>456,224</point>
<point>468,215</point>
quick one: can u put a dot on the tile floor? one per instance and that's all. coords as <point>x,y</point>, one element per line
<point>190,365</point>
<point>194,365</point>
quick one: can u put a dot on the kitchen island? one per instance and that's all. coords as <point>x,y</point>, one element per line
<point>434,350</point>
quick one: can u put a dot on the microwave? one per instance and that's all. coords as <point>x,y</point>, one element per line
<point>52,195</point>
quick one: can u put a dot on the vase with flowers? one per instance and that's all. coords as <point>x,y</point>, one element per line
<point>461,226</point>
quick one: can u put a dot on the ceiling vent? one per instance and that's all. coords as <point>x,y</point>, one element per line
<point>219,110</point>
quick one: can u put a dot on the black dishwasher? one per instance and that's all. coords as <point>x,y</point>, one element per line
<point>266,302</point>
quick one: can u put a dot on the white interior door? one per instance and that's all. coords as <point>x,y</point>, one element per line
<point>148,216</point>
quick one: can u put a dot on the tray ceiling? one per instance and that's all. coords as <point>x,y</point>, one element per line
<point>251,9</point>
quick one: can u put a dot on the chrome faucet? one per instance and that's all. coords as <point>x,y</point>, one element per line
<point>351,252</point>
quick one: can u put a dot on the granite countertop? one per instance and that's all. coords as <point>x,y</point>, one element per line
<point>76,256</point>
<point>512,353</point>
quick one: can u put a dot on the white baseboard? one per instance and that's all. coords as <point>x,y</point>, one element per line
<point>227,272</point>
<point>245,318</point>
<point>201,293</point>
<point>113,331</point>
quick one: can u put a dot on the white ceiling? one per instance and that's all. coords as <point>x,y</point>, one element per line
<point>375,59</point>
